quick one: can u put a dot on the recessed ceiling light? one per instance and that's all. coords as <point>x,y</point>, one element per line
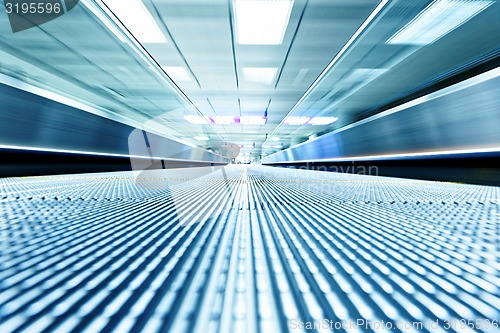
<point>261,22</point>
<point>275,138</point>
<point>137,19</point>
<point>322,120</point>
<point>296,120</point>
<point>263,75</point>
<point>223,120</point>
<point>196,120</point>
<point>438,19</point>
<point>201,138</point>
<point>177,73</point>
<point>253,120</point>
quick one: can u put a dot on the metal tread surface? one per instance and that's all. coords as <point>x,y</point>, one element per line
<point>246,249</point>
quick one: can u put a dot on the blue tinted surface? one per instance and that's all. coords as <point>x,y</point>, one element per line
<point>262,250</point>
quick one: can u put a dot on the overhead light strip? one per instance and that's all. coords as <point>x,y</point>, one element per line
<point>437,20</point>
<point>262,75</point>
<point>223,120</point>
<point>196,120</point>
<point>296,121</point>
<point>316,121</point>
<point>177,73</point>
<point>354,37</point>
<point>319,121</point>
<point>226,120</point>
<point>137,19</point>
<point>272,146</point>
<point>261,22</point>
<point>253,120</point>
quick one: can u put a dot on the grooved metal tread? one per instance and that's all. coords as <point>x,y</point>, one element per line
<point>244,249</point>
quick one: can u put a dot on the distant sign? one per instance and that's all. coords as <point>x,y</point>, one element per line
<point>26,14</point>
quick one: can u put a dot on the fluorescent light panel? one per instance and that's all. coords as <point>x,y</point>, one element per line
<point>317,121</point>
<point>262,75</point>
<point>196,120</point>
<point>322,120</point>
<point>261,22</point>
<point>223,120</point>
<point>253,120</point>
<point>201,138</point>
<point>177,73</point>
<point>296,121</point>
<point>137,19</point>
<point>438,19</point>
<point>275,138</point>
<point>226,120</point>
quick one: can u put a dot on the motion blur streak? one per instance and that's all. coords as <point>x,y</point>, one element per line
<point>462,118</point>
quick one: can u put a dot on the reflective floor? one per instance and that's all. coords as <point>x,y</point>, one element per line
<point>246,249</point>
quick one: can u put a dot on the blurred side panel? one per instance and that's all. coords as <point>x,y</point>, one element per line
<point>462,118</point>
<point>41,136</point>
<point>29,120</point>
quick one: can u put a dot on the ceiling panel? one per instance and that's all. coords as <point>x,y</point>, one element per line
<point>79,56</point>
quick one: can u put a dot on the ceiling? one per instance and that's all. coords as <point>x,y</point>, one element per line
<point>336,59</point>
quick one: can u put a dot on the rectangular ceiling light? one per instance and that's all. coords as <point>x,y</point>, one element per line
<point>253,120</point>
<point>201,138</point>
<point>276,138</point>
<point>176,73</point>
<point>137,19</point>
<point>296,120</point>
<point>196,120</point>
<point>223,120</point>
<point>261,22</point>
<point>322,120</point>
<point>438,19</point>
<point>262,75</point>
<point>272,146</point>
